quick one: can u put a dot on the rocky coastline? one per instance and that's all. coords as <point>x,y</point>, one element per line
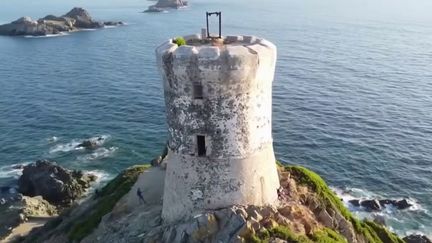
<point>308,212</point>
<point>45,189</point>
<point>75,20</point>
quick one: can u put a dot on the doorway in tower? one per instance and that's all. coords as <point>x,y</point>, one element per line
<point>201,146</point>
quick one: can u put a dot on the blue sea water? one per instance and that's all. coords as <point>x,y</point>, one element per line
<point>352,92</point>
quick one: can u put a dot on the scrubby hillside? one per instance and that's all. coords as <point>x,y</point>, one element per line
<point>308,212</point>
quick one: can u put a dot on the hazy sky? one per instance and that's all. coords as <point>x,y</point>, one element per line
<point>387,10</point>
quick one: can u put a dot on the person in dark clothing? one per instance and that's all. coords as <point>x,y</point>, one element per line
<point>140,196</point>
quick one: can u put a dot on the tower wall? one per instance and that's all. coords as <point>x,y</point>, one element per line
<point>223,93</point>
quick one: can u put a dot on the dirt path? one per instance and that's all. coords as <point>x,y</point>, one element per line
<point>25,228</point>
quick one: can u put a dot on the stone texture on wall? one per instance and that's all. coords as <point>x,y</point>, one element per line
<point>234,116</point>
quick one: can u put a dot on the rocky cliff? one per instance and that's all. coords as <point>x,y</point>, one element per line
<point>308,211</point>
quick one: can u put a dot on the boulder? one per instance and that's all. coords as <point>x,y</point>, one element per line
<point>355,202</point>
<point>113,23</point>
<point>417,239</point>
<point>55,184</point>
<point>91,143</point>
<point>371,205</point>
<point>402,204</point>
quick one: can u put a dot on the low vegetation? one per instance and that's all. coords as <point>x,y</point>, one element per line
<point>107,198</point>
<point>180,41</point>
<point>372,232</point>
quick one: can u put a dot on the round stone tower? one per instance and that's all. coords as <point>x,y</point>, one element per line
<point>218,96</point>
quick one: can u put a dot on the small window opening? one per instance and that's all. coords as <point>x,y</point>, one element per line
<point>198,91</point>
<point>201,145</point>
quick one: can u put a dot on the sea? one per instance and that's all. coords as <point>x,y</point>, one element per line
<point>352,96</point>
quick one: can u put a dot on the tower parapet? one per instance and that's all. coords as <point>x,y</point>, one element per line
<point>218,96</point>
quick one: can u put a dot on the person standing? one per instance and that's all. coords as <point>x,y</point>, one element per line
<point>140,196</point>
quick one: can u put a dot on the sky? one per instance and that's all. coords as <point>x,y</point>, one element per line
<point>413,11</point>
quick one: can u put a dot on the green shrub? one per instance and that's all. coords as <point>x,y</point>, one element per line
<point>180,41</point>
<point>284,233</point>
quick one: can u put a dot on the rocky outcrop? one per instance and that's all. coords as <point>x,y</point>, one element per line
<point>16,212</point>
<point>161,5</point>
<point>307,212</point>
<point>377,205</point>
<point>91,143</point>
<point>77,18</point>
<point>417,239</point>
<point>55,184</point>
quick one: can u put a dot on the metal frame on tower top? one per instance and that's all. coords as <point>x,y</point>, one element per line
<point>208,14</point>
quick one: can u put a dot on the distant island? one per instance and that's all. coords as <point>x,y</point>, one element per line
<point>162,5</point>
<point>74,20</point>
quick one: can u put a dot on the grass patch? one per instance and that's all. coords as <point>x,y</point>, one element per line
<point>281,232</point>
<point>372,233</point>
<point>383,233</point>
<point>327,235</point>
<point>108,197</point>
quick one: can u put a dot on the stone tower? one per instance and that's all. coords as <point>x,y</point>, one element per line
<point>218,96</point>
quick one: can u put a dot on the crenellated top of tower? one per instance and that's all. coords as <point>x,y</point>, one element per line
<point>230,60</point>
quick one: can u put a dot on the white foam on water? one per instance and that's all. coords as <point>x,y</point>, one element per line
<point>99,153</point>
<point>73,145</point>
<point>47,36</point>
<point>102,176</point>
<point>67,147</point>
<point>10,171</point>
<point>360,194</point>
<point>52,139</point>
<point>389,212</point>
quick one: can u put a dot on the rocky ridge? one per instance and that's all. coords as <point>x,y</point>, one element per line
<point>74,20</point>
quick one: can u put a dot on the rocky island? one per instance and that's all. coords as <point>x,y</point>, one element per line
<point>162,5</point>
<point>74,20</point>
